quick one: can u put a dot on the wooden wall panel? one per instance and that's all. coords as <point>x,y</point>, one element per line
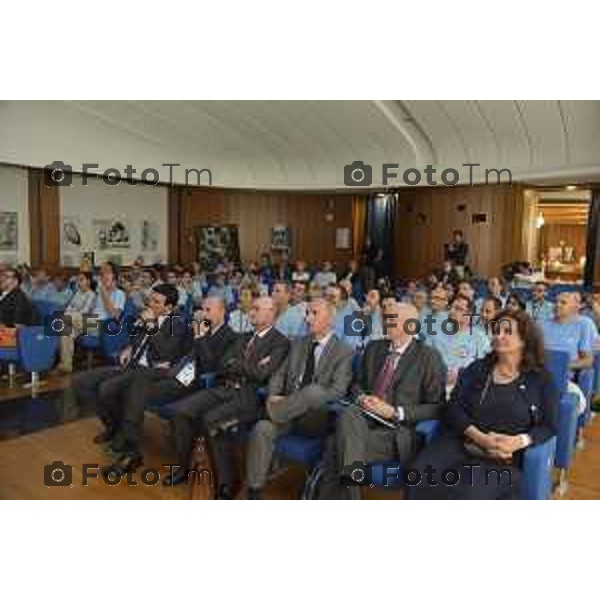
<point>255,213</point>
<point>427,216</point>
<point>44,221</point>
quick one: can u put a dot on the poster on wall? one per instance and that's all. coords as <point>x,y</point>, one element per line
<point>281,238</point>
<point>71,233</point>
<point>111,234</point>
<point>342,238</point>
<point>216,244</point>
<point>149,236</point>
<point>9,232</point>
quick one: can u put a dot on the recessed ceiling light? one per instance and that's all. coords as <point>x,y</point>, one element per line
<point>570,188</point>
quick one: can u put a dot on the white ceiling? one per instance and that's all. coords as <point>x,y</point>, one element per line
<point>305,145</point>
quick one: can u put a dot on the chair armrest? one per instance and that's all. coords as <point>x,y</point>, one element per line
<point>585,381</point>
<point>538,462</point>
<point>428,429</point>
<point>567,430</point>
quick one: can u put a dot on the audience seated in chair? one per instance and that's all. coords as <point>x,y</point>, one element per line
<point>459,348</point>
<point>239,319</point>
<point>317,370</point>
<point>290,319</point>
<point>435,313</point>
<point>15,306</point>
<point>502,403</point>
<point>79,308</point>
<point>401,381</point>
<point>109,304</point>
<point>247,366</point>
<point>325,276</point>
<point>539,307</point>
<point>115,390</point>
<point>570,332</point>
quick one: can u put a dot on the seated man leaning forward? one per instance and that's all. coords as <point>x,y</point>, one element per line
<point>159,343</point>
<point>401,382</point>
<point>318,369</point>
<point>247,365</point>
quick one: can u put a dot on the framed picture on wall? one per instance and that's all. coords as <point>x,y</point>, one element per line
<point>281,238</point>
<point>71,233</point>
<point>112,234</point>
<point>9,232</point>
<point>215,244</point>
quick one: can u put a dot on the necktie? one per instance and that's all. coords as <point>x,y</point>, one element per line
<point>250,346</point>
<point>139,351</point>
<point>384,379</point>
<point>309,369</point>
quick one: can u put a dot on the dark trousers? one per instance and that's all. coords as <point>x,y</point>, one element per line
<point>484,480</point>
<point>205,413</point>
<point>120,398</point>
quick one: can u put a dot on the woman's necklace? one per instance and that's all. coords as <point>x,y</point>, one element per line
<point>504,378</point>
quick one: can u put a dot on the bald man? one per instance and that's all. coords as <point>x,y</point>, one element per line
<point>401,382</point>
<point>246,366</point>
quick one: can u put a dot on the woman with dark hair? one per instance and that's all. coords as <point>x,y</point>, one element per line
<point>515,302</point>
<point>501,404</point>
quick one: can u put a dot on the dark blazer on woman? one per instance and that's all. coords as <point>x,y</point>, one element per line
<point>530,407</point>
<point>536,390</point>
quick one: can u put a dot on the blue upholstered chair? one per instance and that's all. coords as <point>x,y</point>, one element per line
<point>35,352</point>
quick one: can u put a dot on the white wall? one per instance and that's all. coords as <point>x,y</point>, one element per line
<point>129,204</point>
<point>13,197</point>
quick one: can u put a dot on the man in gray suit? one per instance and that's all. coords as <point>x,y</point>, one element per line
<point>402,382</point>
<point>318,369</point>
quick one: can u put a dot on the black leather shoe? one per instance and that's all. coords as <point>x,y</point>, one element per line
<point>125,464</point>
<point>104,437</point>
<point>225,493</point>
<point>176,477</point>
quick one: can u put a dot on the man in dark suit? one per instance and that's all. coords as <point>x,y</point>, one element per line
<point>212,337</point>
<point>318,369</point>
<point>401,382</point>
<point>247,365</point>
<point>159,343</point>
<point>15,306</point>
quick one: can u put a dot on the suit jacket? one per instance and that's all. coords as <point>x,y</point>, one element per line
<point>332,378</point>
<point>256,367</point>
<point>16,309</point>
<point>167,345</point>
<point>208,351</point>
<point>538,390</point>
<point>419,383</point>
